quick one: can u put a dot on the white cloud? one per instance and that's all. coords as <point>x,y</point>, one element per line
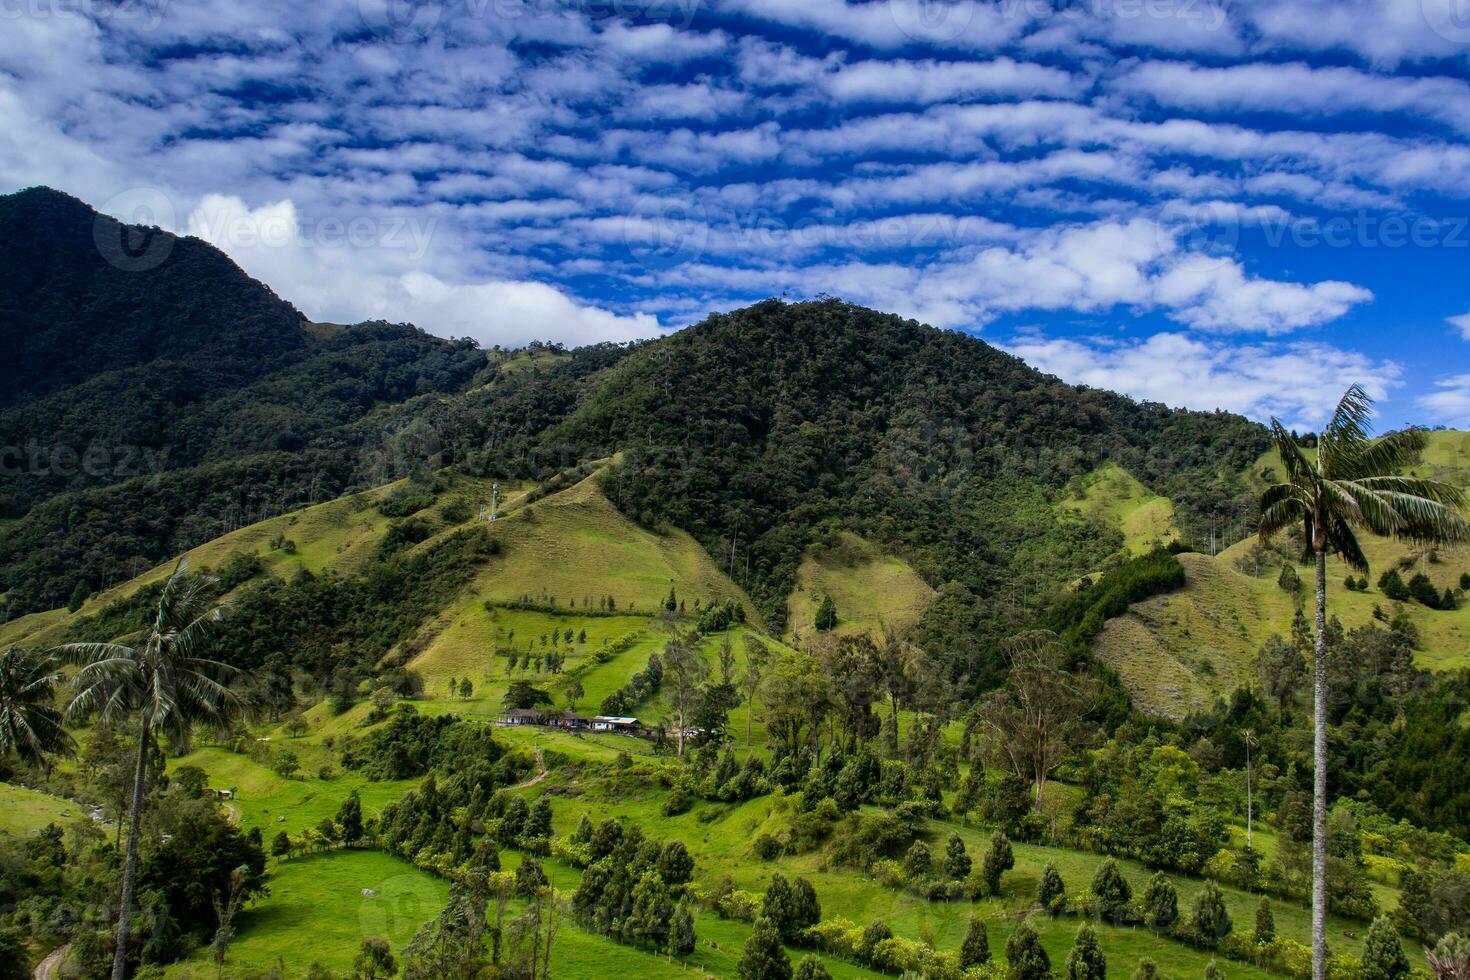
<point>1297,88</point>
<point>350,267</point>
<point>1215,294</point>
<point>1449,403</point>
<point>1298,382</point>
<point>1460,323</point>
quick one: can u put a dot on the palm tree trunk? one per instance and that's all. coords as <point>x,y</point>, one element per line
<point>130,864</point>
<point>1319,778</point>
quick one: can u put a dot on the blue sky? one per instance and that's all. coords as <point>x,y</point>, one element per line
<point>1244,206</point>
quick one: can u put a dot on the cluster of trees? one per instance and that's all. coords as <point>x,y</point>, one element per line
<point>634,889</point>
<point>1419,588</point>
<point>643,685</point>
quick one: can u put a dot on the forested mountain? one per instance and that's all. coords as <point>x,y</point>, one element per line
<point>762,429</point>
<point>154,395</point>
<point>758,431</point>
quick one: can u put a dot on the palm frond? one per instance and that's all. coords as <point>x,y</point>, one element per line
<point>1390,453</point>
<point>1343,441</point>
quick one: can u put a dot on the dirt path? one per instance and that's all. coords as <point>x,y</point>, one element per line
<point>541,772</point>
<point>46,969</point>
<point>233,812</point>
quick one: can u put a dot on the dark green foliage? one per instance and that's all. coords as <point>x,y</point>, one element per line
<point>1383,953</point>
<point>1392,586</point>
<point>811,968</point>
<point>917,862</point>
<point>1080,616</point>
<point>975,948</point>
<point>956,858</point>
<point>1422,590</point>
<point>1025,957</point>
<point>681,932</point>
<point>638,688</point>
<point>1052,893</point>
<point>1147,970</point>
<point>826,616</point>
<point>1086,960</point>
<point>1289,580</point>
<point>1265,932</point>
<point>1160,902</point>
<point>1211,917</point>
<point>999,858</point>
<point>349,818</point>
<point>763,957</point>
<point>78,596</point>
<point>790,906</point>
<point>530,877</point>
<point>1112,891</point>
<point>194,864</point>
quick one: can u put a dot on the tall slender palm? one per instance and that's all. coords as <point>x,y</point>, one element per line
<point>1352,485</point>
<point>30,724</point>
<point>166,682</point>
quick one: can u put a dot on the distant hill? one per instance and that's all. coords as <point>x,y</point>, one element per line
<point>1181,651</point>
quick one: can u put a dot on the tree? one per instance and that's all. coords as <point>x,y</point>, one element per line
<point>999,858</point>
<point>574,693</point>
<point>917,862</point>
<point>30,725</point>
<point>1147,970</point>
<point>684,671</point>
<point>763,957</point>
<point>757,657</point>
<point>466,688</point>
<point>1281,668</point>
<point>1053,892</point>
<point>811,968</point>
<point>975,949</point>
<point>226,905</point>
<point>375,960</point>
<point>1025,957</point>
<point>1265,933</point>
<point>1353,484</point>
<point>681,932</point>
<point>1086,961</point>
<point>1112,891</point>
<point>349,818</point>
<point>286,764</point>
<point>826,616</point>
<point>520,694</point>
<point>168,682</point>
<point>1211,917</point>
<point>956,858</point>
<point>281,844</point>
<point>1383,954</point>
<point>1213,971</point>
<point>1160,902</point>
<point>1037,719</point>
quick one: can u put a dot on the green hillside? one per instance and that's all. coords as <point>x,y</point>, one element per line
<point>870,589</point>
<point>1180,651</point>
<point>1115,497</point>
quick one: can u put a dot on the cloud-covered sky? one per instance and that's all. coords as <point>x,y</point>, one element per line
<point>1206,203</point>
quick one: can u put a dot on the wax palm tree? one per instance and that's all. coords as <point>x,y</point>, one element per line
<point>166,682</point>
<point>1352,485</point>
<point>30,724</point>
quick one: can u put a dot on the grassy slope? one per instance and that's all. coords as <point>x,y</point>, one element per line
<point>871,589</point>
<point>339,534</point>
<point>23,811</point>
<point>1223,614</point>
<point>1114,495</point>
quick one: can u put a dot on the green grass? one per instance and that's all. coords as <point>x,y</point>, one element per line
<point>1115,496</point>
<point>273,803</point>
<point>24,811</point>
<point>316,912</point>
<point>870,589</point>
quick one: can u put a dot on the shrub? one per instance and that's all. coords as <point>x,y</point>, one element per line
<point>1211,917</point>
<point>1086,961</point>
<point>998,860</point>
<point>1026,958</point>
<point>1265,933</point>
<point>763,957</point>
<point>1053,892</point>
<point>1383,954</point>
<point>975,949</point>
<point>767,848</point>
<point>956,858</point>
<point>917,862</point>
<point>1160,902</point>
<point>811,968</point>
<point>1112,891</point>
